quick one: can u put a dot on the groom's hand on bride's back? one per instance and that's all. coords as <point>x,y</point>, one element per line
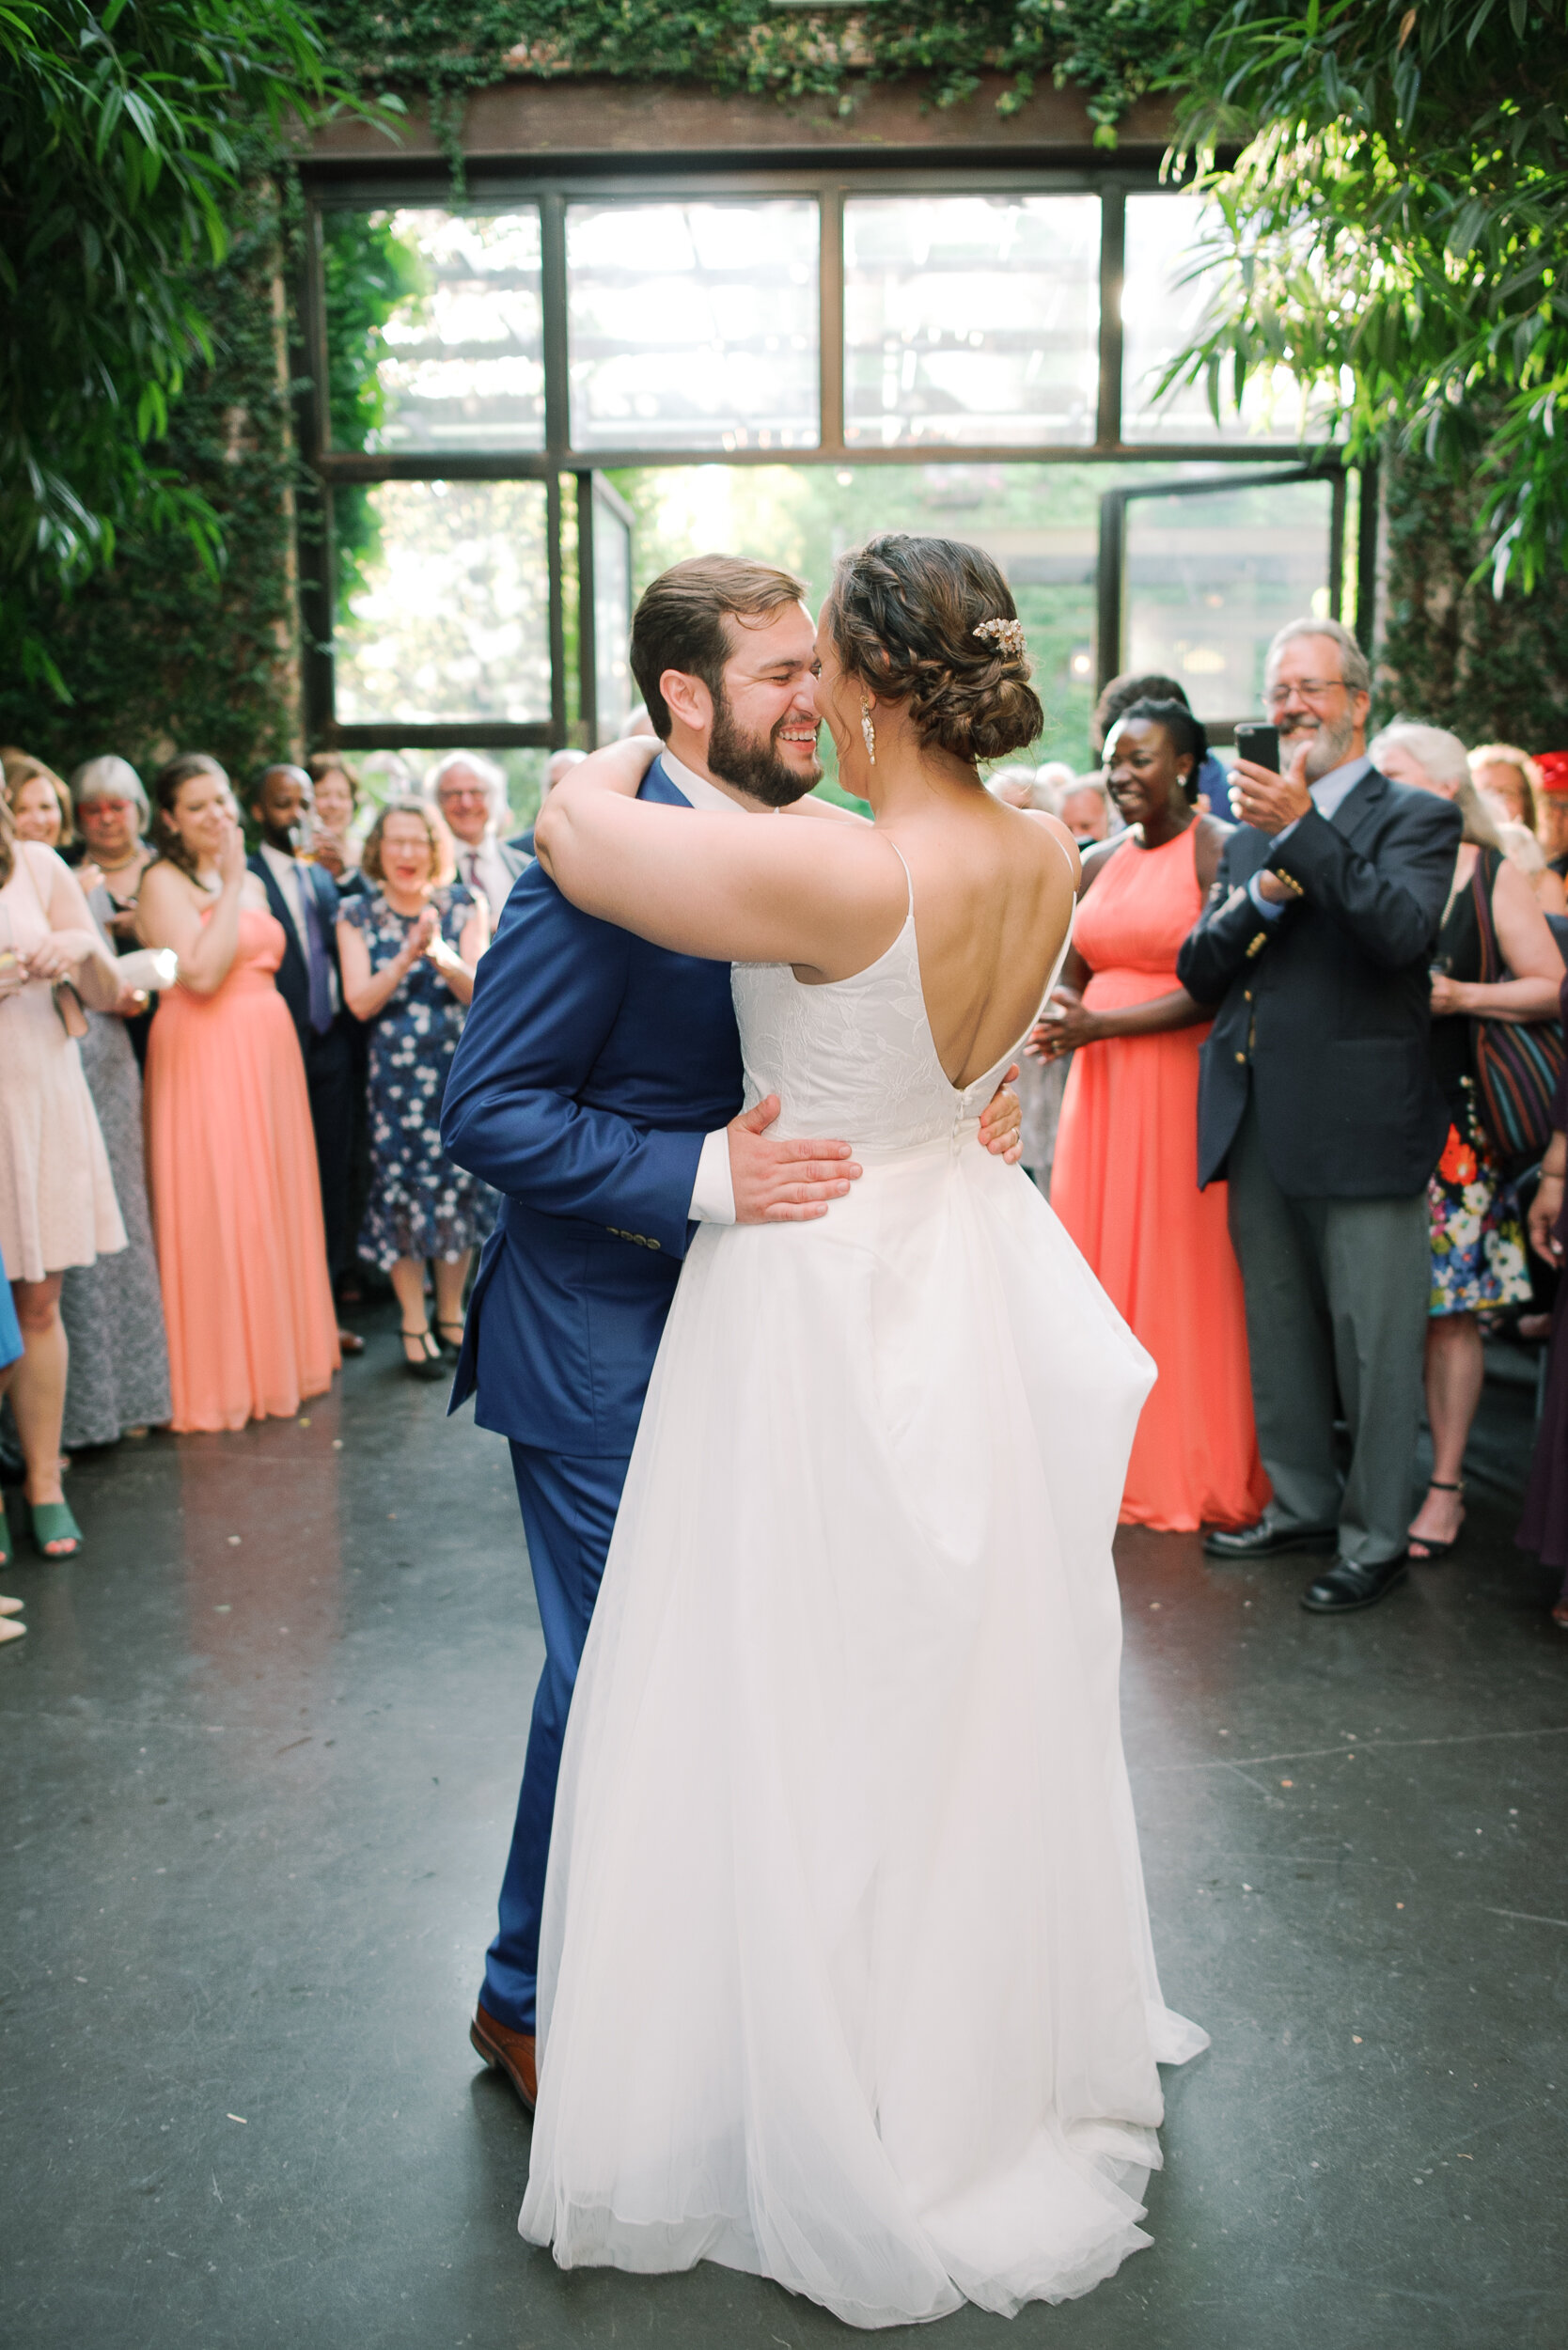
<point>783,1180</point>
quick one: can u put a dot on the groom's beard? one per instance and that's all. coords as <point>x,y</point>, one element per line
<point>754,765</point>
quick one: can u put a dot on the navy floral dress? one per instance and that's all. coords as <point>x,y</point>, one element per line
<point>420,1204</point>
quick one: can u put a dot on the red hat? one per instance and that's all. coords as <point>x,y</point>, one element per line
<point>1553,766</point>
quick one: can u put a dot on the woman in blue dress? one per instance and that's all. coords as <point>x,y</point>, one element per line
<point>409,947</point>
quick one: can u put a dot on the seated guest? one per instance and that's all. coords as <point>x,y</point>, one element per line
<point>237,1201</point>
<point>331,844</point>
<point>304,899</point>
<point>1126,1178</point>
<point>409,950</point>
<point>559,764</point>
<point>1496,960</point>
<point>113,815</point>
<point>57,1206</point>
<point>1318,1106</point>
<point>469,794</point>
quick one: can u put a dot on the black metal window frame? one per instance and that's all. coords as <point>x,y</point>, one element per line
<point>490,187</point>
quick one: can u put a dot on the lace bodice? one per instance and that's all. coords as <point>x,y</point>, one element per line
<point>856,1058</point>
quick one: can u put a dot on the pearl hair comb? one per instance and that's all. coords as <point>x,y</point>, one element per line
<point>1009,634</point>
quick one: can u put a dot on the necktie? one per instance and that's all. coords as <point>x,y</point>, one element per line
<point>318,962</point>
<point>470,862</point>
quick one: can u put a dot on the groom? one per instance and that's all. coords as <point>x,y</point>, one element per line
<point>598,1085</point>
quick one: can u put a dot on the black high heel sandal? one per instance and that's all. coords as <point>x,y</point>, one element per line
<point>430,1362</point>
<point>1431,1549</point>
<point>453,1346</point>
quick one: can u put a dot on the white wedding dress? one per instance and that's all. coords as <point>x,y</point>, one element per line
<point>846,1975</point>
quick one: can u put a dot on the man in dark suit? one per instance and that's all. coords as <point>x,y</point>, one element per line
<point>304,899</point>
<point>597,1086</point>
<point>1317,1104</point>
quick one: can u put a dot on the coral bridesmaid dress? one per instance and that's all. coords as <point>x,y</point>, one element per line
<point>235,1198</point>
<point>1125,1185</point>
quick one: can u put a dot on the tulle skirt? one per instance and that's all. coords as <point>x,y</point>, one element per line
<point>846,1975</point>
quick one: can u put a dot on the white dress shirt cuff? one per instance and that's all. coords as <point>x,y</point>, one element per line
<point>713,1192</point>
<point>1270,908</point>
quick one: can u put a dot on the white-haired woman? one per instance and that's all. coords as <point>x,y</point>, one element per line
<point>118,1381</point>
<point>1478,1246</point>
<point>470,793</point>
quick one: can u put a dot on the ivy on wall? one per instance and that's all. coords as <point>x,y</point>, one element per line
<point>1112,51</point>
<point>160,653</point>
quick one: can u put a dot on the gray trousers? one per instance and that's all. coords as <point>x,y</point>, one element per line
<point>1335,1297</point>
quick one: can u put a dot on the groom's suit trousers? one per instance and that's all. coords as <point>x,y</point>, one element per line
<point>569,1512</point>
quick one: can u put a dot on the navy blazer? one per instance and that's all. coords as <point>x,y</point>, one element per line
<point>590,1069</point>
<point>1324,1014</point>
<point>294,979</point>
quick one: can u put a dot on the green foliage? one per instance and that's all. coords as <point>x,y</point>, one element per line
<point>1396,232</point>
<point>126,131</point>
<point>1111,50</point>
<point>368,272</point>
<point>164,651</point>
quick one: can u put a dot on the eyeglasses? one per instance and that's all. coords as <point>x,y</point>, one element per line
<point>1311,689</point>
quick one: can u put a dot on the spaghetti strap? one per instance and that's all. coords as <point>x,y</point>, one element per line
<point>908,876</point>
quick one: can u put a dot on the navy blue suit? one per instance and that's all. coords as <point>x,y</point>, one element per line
<point>590,1069</point>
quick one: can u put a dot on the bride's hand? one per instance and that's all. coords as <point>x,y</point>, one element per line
<point>1002,1122</point>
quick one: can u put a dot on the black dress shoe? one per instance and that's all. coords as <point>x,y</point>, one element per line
<point>1265,1540</point>
<point>1347,1586</point>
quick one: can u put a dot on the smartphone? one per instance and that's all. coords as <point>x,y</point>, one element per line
<point>1260,746</point>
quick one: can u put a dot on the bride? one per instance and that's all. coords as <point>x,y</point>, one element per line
<point>846,1975</point>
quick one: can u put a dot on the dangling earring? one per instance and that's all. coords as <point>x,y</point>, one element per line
<point>868,729</point>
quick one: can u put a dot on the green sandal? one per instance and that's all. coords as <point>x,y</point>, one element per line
<point>52,1522</point>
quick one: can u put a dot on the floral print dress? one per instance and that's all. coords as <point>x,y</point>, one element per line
<point>1478,1238</point>
<point>421,1204</point>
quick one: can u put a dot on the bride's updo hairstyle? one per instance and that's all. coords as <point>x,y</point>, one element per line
<point>903,614</point>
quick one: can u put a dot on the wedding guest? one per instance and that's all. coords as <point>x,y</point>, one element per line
<point>469,794</point>
<point>1496,960</point>
<point>118,1381</point>
<point>1051,780</point>
<point>409,949</point>
<point>1085,809</point>
<point>39,805</point>
<point>236,1198</point>
<point>57,1206</point>
<point>1544,1527</point>
<point>1552,768</point>
<point>1124,1181</point>
<point>559,764</point>
<point>113,815</point>
<point>1152,685</point>
<point>11,1627</point>
<point>1318,1103</point>
<point>1510,784</point>
<point>331,844</point>
<point>1014,785</point>
<point>302,899</point>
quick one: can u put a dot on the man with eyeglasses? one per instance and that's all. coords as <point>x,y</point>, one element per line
<point>1317,1105</point>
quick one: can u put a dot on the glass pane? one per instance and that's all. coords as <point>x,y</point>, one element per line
<point>439,315</point>
<point>450,614</point>
<point>612,618</point>
<point>693,325</point>
<point>1210,579</point>
<point>971,319</point>
<point>1160,315</point>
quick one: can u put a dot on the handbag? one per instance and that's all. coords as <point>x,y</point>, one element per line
<point>1516,1065</point>
<point>92,980</point>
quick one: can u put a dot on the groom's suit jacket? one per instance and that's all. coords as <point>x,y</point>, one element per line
<point>590,1068</point>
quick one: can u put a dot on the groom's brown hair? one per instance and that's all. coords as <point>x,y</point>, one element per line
<point>679,623</point>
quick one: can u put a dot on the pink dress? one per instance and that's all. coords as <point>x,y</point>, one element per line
<point>235,1198</point>
<point>57,1204</point>
<point>1125,1184</point>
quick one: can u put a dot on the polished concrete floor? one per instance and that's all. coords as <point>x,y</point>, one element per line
<point>260,1749</point>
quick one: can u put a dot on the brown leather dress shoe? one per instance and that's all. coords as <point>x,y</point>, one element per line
<point>508,2052</point>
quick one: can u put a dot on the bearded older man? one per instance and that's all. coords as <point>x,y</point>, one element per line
<point>1318,1106</point>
